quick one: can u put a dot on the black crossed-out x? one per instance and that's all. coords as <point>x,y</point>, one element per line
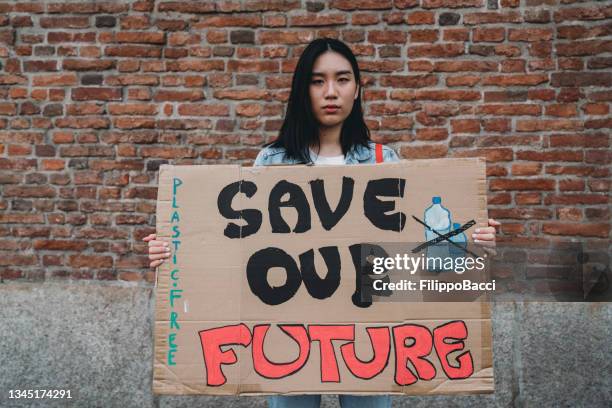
<point>445,237</point>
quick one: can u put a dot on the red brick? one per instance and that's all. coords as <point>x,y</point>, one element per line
<point>530,34</point>
<point>132,109</point>
<point>528,198</point>
<point>420,18</point>
<point>37,66</point>
<point>580,13</point>
<point>187,7</point>
<point>29,191</point>
<point>133,262</point>
<point>456,34</point>
<point>451,3</point>
<point>387,37</point>
<point>496,171</point>
<point>21,218</point>
<point>499,199</point>
<point>565,110</point>
<point>526,169</point>
<point>578,229</point>
<point>145,37</point>
<point>465,125</point>
<point>167,152</point>
<point>574,32</point>
<point>598,214</point>
<point>423,152</point>
<point>516,80</point>
<point>436,50</point>
<point>236,20</point>
<point>521,184</point>
<point>167,95</point>
<point>64,22</point>
<point>132,79</point>
<point>459,66</point>
<point>97,94</point>
<point>510,109</point>
<point>576,198</point>
<point>492,17</point>
<point>575,79</point>
<point>521,213</point>
<point>18,260</point>
<point>547,125</point>
<point>408,81</point>
<point>571,185</point>
<point>428,36</point>
<point>8,108</point>
<point>463,80</point>
<point>86,8</point>
<point>130,219</point>
<point>317,20</point>
<point>253,66</point>
<point>53,164</point>
<point>432,134</point>
<point>599,186</point>
<point>55,80</point>
<point>360,4</point>
<point>87,65</point>
<point>588,47</point>
<point>436,95</point>
<point>60,245</point>
<point>242,94</point>
<point>134,123</point>
<point>134,51</point>
<point>60,37</point>
<point>12,79</point>
<point>596,109</point>
<point>552,155</point>
<point>388,108</point>
<point>248,109</point>
<point>19,150</point>
<point>86,151</point>
<point>30,7</point>
<point>195,65</point>
<point>493,34</point>
<point>512,229</point>
<point>90,261</point>
<point>381,66</point>
<point>364,18</point>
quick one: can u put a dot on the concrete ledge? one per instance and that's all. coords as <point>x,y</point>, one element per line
<point>96,340</point>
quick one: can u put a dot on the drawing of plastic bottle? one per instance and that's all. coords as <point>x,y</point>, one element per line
<point>459,239</point>
<point>438,219</point>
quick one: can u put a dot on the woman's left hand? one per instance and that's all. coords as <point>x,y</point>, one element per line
<point>486,236</point>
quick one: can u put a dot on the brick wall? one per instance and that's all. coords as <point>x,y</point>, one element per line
<point>96,95</point>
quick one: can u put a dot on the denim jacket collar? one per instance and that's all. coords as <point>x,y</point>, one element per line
<point>358,154</point>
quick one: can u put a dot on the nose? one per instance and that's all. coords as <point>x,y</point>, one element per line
<point>330,90</point>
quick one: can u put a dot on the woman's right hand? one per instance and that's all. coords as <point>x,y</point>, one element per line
<point>159,250</point>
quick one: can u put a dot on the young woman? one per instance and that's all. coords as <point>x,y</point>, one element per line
<point>323,125</point>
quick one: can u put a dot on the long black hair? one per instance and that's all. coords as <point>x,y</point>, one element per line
<point>300,128</point>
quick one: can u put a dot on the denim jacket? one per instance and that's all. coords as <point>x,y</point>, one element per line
<point>357,155</point>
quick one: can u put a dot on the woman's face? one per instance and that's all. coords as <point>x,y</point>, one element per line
<point>333,89</point>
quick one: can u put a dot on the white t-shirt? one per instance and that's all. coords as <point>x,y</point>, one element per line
<point>333,160</point>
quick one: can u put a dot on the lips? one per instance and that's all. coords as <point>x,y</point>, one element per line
<point>331,108</point>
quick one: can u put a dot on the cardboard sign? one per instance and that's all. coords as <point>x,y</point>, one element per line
<point>260,294</point>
